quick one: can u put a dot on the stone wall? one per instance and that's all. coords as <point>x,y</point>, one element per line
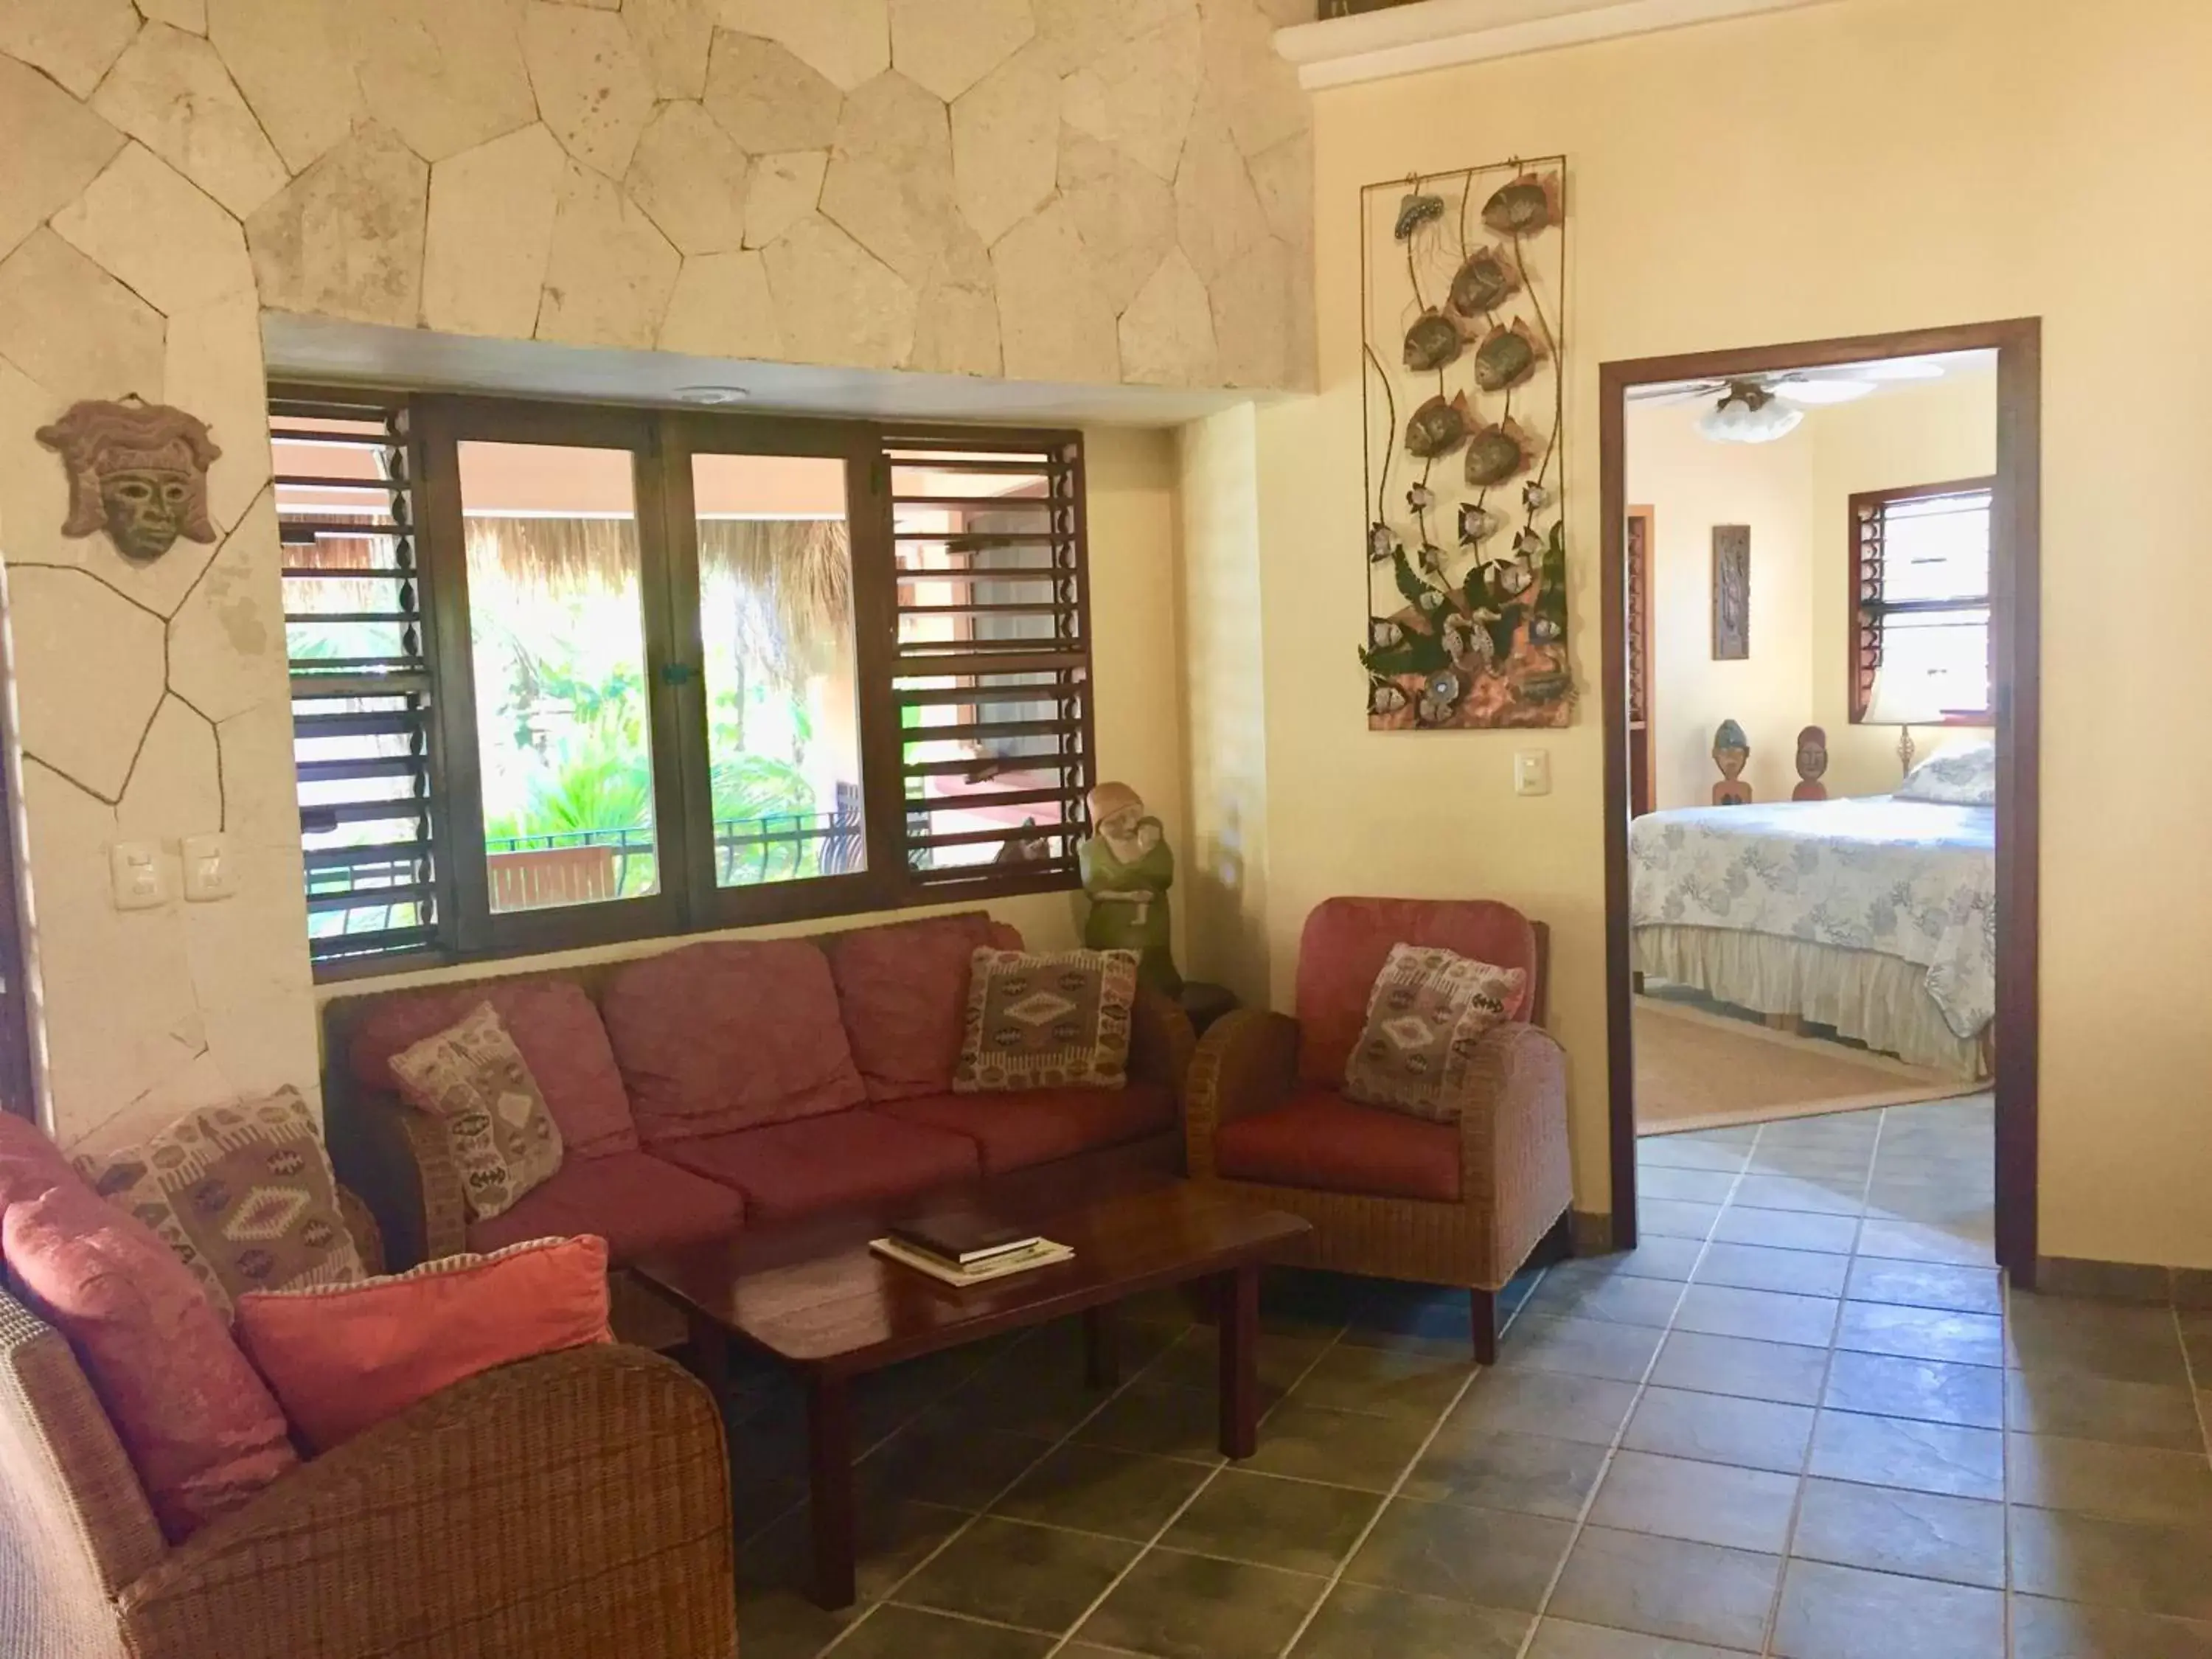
<point>1092,190</point>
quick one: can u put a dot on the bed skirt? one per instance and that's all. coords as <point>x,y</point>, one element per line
<point>1882,1001</point>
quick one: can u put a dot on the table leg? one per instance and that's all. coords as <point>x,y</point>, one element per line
<point>830,1456</point>
<point>1101,1348</point>
<point>1237,1334</point>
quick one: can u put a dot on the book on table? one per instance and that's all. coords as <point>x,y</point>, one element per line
<point>1018,1256</point>
<point>962,1238</point>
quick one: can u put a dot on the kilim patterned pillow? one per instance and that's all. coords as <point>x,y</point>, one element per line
<point>502,1138</point>
<point>244,1195</point>
<point>1048,1021</point>
<point>1428,1009</point>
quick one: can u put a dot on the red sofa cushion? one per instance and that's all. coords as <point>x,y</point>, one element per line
<point>1346,941</point>
<point>1325,1143</point>
<point>555,1024</point>
<point>730,1035</point>
<point>29,1162</point>
<point>201,1429</point>
<point>636,1201</point>
<point>345,1357</point>
<point>902,990</point>
<point>1014,1131</point>
<point>796,1169</point>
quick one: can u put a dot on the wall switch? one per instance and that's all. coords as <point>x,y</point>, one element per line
<point>134,869</point>
<point>208,873</point>
<point>1532,771</point>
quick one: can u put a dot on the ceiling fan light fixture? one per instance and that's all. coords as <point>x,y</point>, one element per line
<point>1749,414</point>
<point>1901,368</point>
<point>1821,392</point>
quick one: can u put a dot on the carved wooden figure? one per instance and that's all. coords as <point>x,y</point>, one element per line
<point>1812,762</point>
<point>137,471</point>
<point>1731,753</point>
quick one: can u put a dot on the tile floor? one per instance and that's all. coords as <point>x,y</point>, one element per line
<point>1803,1419</point>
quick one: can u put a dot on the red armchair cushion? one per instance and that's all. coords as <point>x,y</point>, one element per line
<point>636,1201</point>
<point>1014,1131</point>
<point>345,1357</point>
<point>201,1429</point>
<point>904,992</point>
<point>796,1169</point>
<point>730,1035</point>
<point>1347,940</point>
<point>553,1023</point>
<point>29,1162</point>
<point>1323,1142</point>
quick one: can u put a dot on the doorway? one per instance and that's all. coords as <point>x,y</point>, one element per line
<point>1628,698</point>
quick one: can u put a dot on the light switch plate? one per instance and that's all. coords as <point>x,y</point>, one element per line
<point>136,875</point>
<point>1532,771</point>
<point>208,871</point>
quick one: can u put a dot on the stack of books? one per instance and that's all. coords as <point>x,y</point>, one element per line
<point>965,1249</point>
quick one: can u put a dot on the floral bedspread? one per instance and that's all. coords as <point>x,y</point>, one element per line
<point>1909,879</point>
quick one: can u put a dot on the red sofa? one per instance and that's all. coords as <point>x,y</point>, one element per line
<point>733,1083</point>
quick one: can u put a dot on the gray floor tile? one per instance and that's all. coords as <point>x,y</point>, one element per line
<point>1566,1407</point>
<point>1191,1607</point>
<point>1754,1434</point>
<point>1037,1577</point>
<point>1343,1449</point>
<point>1682,1153</point>
<point>1298,1525</point>
<point>1528,1474</point>
<point>1962,1338</point>
<point>1741,1367</point>
<point>1691,1185</point>
<point>1385,1382</point>
<point>1556,1638</point>
<point>895,1633</point>
<point>965,1469</point>
<point>1925,1284</point>
<point>1195,1361</point>
<point>1885,1385</point>
<point>2096,1408</point>
<point>1762,1267</point>
<point>2117,1564</point>
<point>1667,1587</point>
<point>1892,1451</point>
<point>1704,1503</point>
<point>2128,1483</point>
<point>2043,1629</point>
<point>1622,1298</point>
<point>1581,1347</point>
<point>891,1538</point>
<point>2095,1339</point>
<point>1165,1422</point>
<point>1813,1193</point>
<point>1789,1230</point>
<point>1484,1556</point>
<point>1916,1241</point>
<point>1765,1315</point>
<point>1656,1257</point>
<point>1360,1622</point>
<point>1846,1613</point>
<point>1099,1489</point>
<point>785,1623</point>
<point>1887,1529</point>
<point>1674,1217</point>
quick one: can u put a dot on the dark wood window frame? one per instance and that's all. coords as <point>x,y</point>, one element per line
<point>662,443</point>
<point>1868,611</point>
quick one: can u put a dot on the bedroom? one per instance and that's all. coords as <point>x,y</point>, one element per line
<point>1811,913</point>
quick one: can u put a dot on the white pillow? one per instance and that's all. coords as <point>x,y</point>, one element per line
<point>1957,777</point>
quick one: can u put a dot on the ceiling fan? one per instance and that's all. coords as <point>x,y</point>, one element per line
<point>1760,407</point>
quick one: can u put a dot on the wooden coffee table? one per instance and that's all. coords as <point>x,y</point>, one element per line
<point>818,1299</point>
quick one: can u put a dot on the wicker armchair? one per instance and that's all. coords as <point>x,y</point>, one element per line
<point>1390,1195</point>
<point>576,1504</point>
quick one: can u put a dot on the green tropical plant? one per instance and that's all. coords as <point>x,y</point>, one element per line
<point>598,779</point>
<point>759,786</point>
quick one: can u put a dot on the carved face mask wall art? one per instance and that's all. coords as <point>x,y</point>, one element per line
<point>137,471</point>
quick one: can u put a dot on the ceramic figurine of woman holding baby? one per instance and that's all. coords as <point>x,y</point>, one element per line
<point>1127,868</point>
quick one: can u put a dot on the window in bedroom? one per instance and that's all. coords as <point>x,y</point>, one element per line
<point>564,675</point>
<point>1920,591</point>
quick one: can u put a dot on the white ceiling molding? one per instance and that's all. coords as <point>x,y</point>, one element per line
<point>1374,45</point>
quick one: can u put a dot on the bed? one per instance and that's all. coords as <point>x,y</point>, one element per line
<point>1876,916</point>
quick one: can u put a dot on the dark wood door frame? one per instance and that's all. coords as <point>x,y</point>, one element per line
<point>2016,651</point>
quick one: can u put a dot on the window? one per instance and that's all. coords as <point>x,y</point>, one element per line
<point>1920,586</point>
<point>566,675</point>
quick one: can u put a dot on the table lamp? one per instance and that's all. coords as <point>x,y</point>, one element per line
<point>1905,700</point>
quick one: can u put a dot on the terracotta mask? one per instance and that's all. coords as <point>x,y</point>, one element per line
<point>137,471</point>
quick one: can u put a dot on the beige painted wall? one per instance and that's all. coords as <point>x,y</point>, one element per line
<point>1930,434</point>
<point>1035,188</point>
<point>1731,184</point>
<point>1691,484</point>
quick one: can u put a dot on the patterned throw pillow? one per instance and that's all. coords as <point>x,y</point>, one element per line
<point>1965,776</point>
<point>244,1195</point>
<point>1048,1021</point>
<point>502,1138</point>
<point>1428,1009</point>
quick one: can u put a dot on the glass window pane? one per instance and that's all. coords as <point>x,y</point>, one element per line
<point>1949,649</point>
<point>1937,547</point>
<point>775,619</point>
<point>563,735</point>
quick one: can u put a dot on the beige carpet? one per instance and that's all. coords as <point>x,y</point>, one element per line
<point>1696,1069</point>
